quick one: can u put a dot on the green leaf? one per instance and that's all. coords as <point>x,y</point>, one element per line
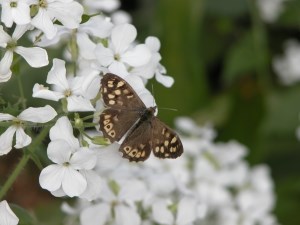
<point>240,59</point>
<point>24,216</point>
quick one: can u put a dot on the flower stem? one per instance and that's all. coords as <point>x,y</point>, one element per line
<point>14,175</point>
<point>22,95</point>
<point>9,182</point>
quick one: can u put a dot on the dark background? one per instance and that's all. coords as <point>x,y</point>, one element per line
<point>220,54</point>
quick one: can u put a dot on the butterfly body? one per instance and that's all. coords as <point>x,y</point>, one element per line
<point>126,114</point>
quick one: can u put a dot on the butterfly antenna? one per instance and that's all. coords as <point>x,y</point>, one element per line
<point>172,109</point>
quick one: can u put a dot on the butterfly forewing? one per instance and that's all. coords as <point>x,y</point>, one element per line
<point>117,93</point>
<point>137,145</point>
<point>165,142</point>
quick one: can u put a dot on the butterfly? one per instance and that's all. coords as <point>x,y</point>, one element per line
<point>126,114</point>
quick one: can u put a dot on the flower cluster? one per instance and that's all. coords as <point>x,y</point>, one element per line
<point>210,184</point>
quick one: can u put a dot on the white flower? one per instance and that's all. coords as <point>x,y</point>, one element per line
<point>17,11</point>
<point>67,12</point>
<point>120,54</point>
<point>287,66</point>
<point>93,6</point>
<point>186,212</point>
<point>153,67</point>
<point>120,201</point>
<point>68,176</point>
<point>78,91</point>
<point>35,56</point>
<point>7,216</point>
<point>270,9</point>
<point>96,27</point>
<point>35,115</point>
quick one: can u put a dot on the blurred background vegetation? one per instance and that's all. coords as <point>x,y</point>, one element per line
<point>220,53</point>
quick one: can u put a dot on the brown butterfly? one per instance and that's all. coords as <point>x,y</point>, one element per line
<point>127,114</point>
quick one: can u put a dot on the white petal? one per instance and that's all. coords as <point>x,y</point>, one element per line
<point>138,56</point>
<point>7,216</point>
<point>5,117</point>
<point>4,37</point>
<point>109,157</point>
<point>38,114</point>
<point>62,130</point>
<point>105,56</point>
<point>59,151</point>
<point>83,159</point>
<point>126,216</point>
<point>39,91</point>
<point>19,31</point>
<point>161,214</point>
<point>122,36</point>
<point>21,14</point>
<point>57,75</point>
<point>73,184</point>
<point>58,193</point>
<point>95,215</point>
<point>22,139</point>
<point>69,14</point>
<point>43,22</point>
<point>6,17</point>
<point>153,43</point>
<point>132,190</point>
<point>5,77</point>
<point>118,68</point>
<point>94,185</point>
<point>88,86</point>
<point>97,26</point>
<point>186,211</point>
<point>120,17</point>
<point>5,64</point>
<point>6,140</point>
<point>51,177</point>
<point>86,46</point>
<point>165,80</point>
<point>34,56</point>
<point>79,104</point>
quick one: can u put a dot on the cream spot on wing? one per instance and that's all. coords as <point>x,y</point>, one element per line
<point>112,133</point>
<point>112,102</point>
<point>133,152</point>
<point>127,149</point>
<point>156,149</point>
<point>111,96</point>
<point>174,139</point>
<point>107,116</point>
<point>106,122</point>
<point>117,92</point>
<point>162,149</point>
<point>166,143</point>
<point>120,84</point>
<point>108,127</point>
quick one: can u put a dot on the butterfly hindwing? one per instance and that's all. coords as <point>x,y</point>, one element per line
<point>137,144</point>
<point>117,93</point>
<point>165,142</point>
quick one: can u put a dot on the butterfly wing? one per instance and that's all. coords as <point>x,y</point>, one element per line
<point>114,123</point>
<point>124,107</point>
<point>165,142</point>
<point>117,93</point>
<point>137,144</point>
